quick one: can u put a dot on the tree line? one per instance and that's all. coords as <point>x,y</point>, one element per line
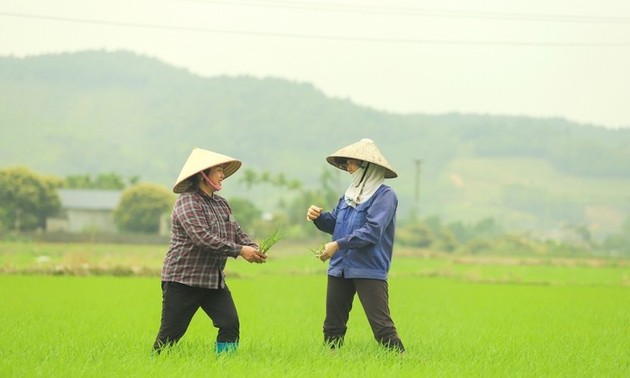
<point>28,198</point>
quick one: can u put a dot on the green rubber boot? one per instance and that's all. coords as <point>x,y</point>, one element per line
<point>226,347</point>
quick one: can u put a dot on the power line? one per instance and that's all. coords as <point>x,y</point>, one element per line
<point>317,36</point>
<point>424,12</point>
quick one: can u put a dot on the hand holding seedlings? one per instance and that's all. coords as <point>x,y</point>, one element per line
<point>326,251</point>
<point>252,255</point>
<point>318,252</point>
<point>329,250</point>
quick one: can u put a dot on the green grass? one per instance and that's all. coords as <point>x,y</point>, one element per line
<point>472,318</point>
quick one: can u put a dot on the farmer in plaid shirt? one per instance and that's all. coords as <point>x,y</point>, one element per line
<point>203,235</point>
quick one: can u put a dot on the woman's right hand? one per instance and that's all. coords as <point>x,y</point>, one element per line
<point>252,255</point>
<point>313,213</point>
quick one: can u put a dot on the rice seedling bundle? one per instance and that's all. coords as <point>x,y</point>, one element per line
<point>266,244</point>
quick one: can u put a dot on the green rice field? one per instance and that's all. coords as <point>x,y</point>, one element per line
<point>72,310</point>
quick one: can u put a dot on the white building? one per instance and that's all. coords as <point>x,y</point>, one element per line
<point>84,210</point>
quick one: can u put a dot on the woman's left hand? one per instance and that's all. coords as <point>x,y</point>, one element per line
<point>329,250</point>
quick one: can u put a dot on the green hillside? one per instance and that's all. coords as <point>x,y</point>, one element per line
<point>529,194</point>
<point>94,112</point>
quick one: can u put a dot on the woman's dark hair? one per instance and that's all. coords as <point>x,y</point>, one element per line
<point>196,178</point>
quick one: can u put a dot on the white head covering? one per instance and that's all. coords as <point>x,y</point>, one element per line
<point>365,182</point>
<point>200,160</point>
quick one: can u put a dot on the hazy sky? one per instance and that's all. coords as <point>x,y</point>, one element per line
<point>549,58</point>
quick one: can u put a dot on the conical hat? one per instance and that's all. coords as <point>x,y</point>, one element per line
<point>365,150</point>
<point>200,160</point>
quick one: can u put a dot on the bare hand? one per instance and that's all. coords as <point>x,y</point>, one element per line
<point>313,213</point>
<point>252,255</point>
<point>329,250</point>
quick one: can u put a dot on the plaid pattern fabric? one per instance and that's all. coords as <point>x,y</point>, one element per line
<point>203,235</point>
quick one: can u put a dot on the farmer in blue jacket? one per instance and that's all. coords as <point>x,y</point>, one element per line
<point>362,227</point>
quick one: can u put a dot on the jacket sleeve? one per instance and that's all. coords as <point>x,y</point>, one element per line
<point>327,220</point>
<point>242,238</point>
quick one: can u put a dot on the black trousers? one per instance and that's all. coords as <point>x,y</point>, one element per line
<point>180,303</point>
<point>374,297</point>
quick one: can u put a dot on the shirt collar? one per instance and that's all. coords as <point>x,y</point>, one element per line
<point>204,194</point>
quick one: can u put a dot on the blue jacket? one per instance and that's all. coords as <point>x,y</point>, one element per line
<point>365,235</point>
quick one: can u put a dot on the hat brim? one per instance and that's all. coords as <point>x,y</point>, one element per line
<point>389,173</point>
<point>365,150</point>
<point>200,160</point>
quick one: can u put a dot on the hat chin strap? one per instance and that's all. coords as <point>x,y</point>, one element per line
<point>207,179</point>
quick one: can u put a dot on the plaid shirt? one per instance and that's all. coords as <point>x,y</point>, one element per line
<point>203,235</point>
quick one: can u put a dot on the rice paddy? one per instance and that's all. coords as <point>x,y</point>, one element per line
<point>473,318</point>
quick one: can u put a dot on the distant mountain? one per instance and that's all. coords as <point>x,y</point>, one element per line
<point>95,112</point>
